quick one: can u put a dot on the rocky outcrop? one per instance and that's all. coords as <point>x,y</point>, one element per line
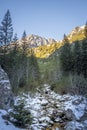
<point>35,41</point>
<point>77,32</point>
<point>6,96</point>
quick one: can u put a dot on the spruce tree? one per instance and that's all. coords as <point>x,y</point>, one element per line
<point>24,43</point>
<point>65,39</point>
<point>77,58</point>
<point>15,38</point>
<point>6,29</point>
<point>85,30</point>
<point>24,66</point>
<point>15,42</point>
<point>84,58</point>
<point>33,67</point>
<point>6,33</point>
<point>24,35</point>
<point>1,43</point>
<point>66,56</point>
<point>21,117</point>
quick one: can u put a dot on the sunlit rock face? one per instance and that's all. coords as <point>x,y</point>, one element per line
<point>6,96</point>
<point>34,41</point>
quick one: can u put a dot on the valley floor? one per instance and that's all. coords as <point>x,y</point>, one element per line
<point>51,111</point>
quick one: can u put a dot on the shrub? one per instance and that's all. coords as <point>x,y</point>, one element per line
<point>20,116</point>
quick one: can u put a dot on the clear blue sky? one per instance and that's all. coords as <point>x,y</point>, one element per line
<point>47,18</point>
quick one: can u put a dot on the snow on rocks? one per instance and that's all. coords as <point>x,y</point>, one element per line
<point>74,125</point>
<point>77,108</point>
<point>48,108</point>
<point>44,102</point>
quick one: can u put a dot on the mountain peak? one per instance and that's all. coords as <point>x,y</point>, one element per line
<point>77,29</point>
<point>77,34</point>
<point>35,40</point>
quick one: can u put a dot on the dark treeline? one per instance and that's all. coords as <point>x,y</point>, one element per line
<point>73,62</point>
<point>74,57</point>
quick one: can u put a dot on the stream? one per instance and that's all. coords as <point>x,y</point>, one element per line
<point>52,111</point>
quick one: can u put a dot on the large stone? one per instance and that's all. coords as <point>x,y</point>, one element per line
<point>69,115</point>
<point>6,95</point>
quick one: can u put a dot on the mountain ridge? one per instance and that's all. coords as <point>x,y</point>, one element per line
<point>77,34</point>
<point>35,40</point>
<point>43,47</point>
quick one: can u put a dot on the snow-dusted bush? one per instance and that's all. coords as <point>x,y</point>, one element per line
<point>20,116</point>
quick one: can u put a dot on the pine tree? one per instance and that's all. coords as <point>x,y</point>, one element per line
<point>66,56</point>
<point>6,29</point>
<point>24,66</point>
<point>21,117</point>
<point>15,41</point>
<point>24,35</point>
<point>33,67</point>
<point>85,30</point>
<point>84,58</point>
<point>24,43</point>
<point>77,58</point>
<point>6,33</point>
<point>15,38</point>
<point>65,39</point>
<point>1,43</point>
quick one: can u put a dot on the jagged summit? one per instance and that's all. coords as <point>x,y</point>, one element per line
<point>77,33</point>
<point>77,29</point>
<point>35,40</point>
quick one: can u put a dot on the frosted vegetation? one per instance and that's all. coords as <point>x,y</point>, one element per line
<point>49,110</point>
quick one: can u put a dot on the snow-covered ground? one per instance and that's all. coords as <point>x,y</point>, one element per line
<point>48,107</point>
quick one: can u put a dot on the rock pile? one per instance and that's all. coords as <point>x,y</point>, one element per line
<point>51,111</point>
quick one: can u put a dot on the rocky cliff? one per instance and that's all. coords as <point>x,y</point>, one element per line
<point>78,33</point>
<point>35,41</point>
<point>6,96</point>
